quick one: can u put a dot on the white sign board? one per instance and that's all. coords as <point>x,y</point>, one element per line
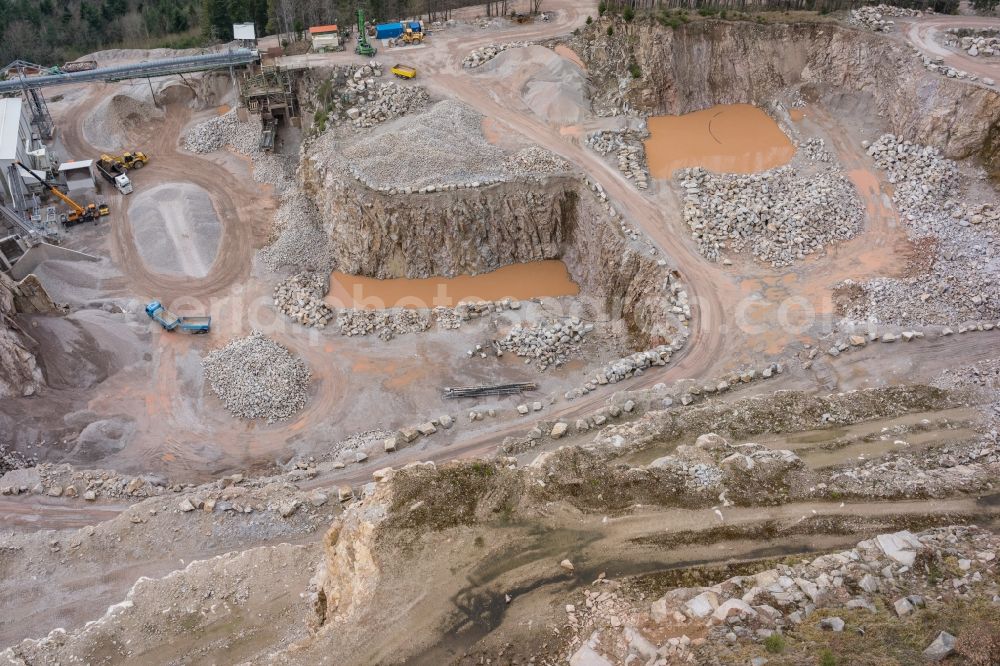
<point>244,31</point>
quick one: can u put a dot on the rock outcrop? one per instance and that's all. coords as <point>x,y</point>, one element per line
<point>19,372</point>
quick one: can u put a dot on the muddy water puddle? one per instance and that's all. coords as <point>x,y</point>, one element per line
<point>728,138</point>
<point>534,279</point>
<point>859,441</point>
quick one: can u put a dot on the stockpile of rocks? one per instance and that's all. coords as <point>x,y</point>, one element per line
<point>957,279</point>
<point>982,44</point>
<point>779,216</point>
<point>380,102</point>
<point>300,297</point>
<point>484,54</point>
<point>256,378</point>
<point>815,149</point>
<point>876,17</point>
<point>983,377</point>
<point>546,344</point>
<point>924,179</point>
<point>386,323</point>
<point>225,130</point>
<point>630,150</point>
<point>885,575</point>
<point>297,239</point>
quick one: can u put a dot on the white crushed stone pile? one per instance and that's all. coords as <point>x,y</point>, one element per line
<point>961,238</point>
<point>300,298</point>
<point>546,344</point>
<point>386,323</point>
<point>222,131</point>
<point>442,149</point>
<point>299,240</point>
<point>256,378</point>
<point>779,216</point>
<point>534,161</point>
<point>630,150</point>
<point>878,17</point>
<point>443,145</point>
<point>814,149</point>
<point>484,54</point>
<point>277,170</point>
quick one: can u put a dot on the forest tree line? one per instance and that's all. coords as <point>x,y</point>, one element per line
<point>51,32</point>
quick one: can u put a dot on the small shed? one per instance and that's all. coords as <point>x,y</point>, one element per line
<point>78,176</point>
<point>388,30</point>
<point>324,37</point>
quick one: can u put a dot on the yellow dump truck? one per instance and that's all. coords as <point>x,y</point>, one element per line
<point>404,71</point>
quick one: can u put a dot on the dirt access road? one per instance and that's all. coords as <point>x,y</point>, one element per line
<point>923,34</point>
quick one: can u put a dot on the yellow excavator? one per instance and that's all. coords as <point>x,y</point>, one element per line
<point>78,214</point>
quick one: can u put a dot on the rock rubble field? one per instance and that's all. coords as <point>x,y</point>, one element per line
<point>956,280</point>
<point>256,378</point>
<point>779,216</point>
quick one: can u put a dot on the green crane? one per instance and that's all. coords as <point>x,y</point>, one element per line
<point>364,47</point>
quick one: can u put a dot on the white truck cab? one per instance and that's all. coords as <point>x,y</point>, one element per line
<point>123,184</point>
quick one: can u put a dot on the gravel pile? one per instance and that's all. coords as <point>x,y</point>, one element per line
<point>276,170</point>
<point>386,323</point>
<point>300,297</point>
<point>547,345</point>
<point>257,378</point>
<point>453,154</point>
<point>779,216</point>
<point>876,18</point>
<point>984,377</point>
<point>630,150</point>
<point>814,149</point>
<point>443,145</point>
<point>111,121</point>
<point>533,161</point>
<point>484,54</point>
<point>957,243</point>
<point>299,240</point>
<point>225,130</point>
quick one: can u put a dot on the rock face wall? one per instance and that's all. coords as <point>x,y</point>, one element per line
<point>472,231</point>
<point>19,373</point>
<point>458,232</point>
<point>720,62</point>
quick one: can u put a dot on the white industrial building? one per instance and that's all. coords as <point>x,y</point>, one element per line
<point>15,145</point>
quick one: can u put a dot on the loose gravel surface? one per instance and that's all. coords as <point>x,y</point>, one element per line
<point>257,378</point>
<point>779,216</point>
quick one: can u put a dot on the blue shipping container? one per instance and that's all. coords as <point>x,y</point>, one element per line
<point>388,30</point>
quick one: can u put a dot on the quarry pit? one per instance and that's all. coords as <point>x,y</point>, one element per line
<point>572,349</point>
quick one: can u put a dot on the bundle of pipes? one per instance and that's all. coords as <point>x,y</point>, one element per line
<point>477,391</point>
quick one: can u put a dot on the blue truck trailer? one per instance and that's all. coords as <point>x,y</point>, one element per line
<point>169,321</point>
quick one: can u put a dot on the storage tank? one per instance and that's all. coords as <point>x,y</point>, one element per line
<point>388,30</point>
